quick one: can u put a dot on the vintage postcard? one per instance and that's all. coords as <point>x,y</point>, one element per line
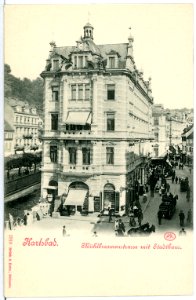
<point>98,150</point>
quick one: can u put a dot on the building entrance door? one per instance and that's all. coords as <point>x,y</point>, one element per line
<point>109,196</point>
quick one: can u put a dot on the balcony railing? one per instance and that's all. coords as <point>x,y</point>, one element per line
<point>27,136</point>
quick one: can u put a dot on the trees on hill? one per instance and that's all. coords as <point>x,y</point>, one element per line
<point>27,90</point>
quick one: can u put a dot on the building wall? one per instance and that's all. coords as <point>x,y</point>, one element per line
<point>132,121</point>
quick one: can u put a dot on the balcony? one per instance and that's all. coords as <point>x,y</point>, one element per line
<point>27,136</point>
<point>77,134</point>
<point>78,170</point>
<point>90,170</point>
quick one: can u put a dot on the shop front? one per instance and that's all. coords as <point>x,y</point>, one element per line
<point>76,201</point>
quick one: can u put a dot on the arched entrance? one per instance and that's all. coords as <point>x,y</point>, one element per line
<point>110,197</point>
<point>77,198</point>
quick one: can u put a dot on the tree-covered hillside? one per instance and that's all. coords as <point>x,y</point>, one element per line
<point>27,90</point>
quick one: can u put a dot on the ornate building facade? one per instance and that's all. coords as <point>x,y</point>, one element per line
<point>97,124</point>
<point>26,124</point>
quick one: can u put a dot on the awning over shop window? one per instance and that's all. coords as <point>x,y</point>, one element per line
<point>50,187</point>
<point>75,197</point>
<point>78,118</point>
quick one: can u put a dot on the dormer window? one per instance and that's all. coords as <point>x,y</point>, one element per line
<point>112,62</point>
<point>80,61</point>
<point>56,64</point>
<point>112,59</point>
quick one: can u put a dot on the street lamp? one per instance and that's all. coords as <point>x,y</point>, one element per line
<point>170,129</point>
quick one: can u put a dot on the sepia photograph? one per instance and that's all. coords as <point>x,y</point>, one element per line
<point>98,143</point>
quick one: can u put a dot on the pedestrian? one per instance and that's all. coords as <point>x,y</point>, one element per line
<point>25,219</point>
<point>189,216</point>
<point>173,177</point>
<point>182,232</point>
<point>190,170</point>
<point>144,198</point>
<point>182,166</point>
<point>181,217</point>
<point>132,220</point>
<point>64,231</point>
<point>146,188</point>
<point>121,228</point>
<point>140,217</point>
<point>188,194</point>
<point>110,214</point>
<point>176,179</point>
<point>135,211</point>
<point>160,216</point>
<point>116,225</point>
<point>167,187</point>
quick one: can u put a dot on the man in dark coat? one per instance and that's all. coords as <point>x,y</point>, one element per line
<point>110,214</point>
<point>160,216</point>
<point>181,217</point>
<point>121,228</point>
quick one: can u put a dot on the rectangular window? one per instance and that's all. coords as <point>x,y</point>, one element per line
<point>85,60</point>
<point>110,121</point>
<point>80,91</point>
<point>87,91</point>
<point>156,121</point>
<point>86,156</point>
<point>75,62</point>
<point>80,62</point>
<point>109,155</point>
<point>72,156</point>
<point>55,94</point>
<point>54,121</point>
<point>112,62</point>
<point>55,64</point>
<point>110,92</point>
<point>53,154</point>
<point>156,136</point>
<point>73,91</point>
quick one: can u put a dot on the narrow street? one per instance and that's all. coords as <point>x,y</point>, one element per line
<point>150,214</point>
<point>150,211</point>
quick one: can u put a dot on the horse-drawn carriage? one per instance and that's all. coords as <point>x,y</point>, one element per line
<point>168,206</point>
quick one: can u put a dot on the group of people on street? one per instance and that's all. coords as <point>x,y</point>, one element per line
<point>18,222</point>
<point>189,218</point>
<point>119,227</point>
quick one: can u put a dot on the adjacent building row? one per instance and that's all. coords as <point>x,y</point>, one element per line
<point>22,127</point>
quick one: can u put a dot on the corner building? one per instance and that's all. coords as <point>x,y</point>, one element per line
<point>97,127</point>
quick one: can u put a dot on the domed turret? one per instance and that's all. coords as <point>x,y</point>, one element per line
<point>88,31</point>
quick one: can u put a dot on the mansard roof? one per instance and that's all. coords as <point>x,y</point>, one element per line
<point>103,50</point>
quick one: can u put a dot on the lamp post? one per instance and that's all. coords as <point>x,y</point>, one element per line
<point>170,132</point>
<point>170,129</point>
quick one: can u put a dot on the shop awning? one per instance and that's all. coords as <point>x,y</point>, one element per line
<point>78,118</point>
<point>75,197</point>
<point>50,187</point>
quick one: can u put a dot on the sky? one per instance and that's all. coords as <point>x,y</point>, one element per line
<point>163,40</point>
